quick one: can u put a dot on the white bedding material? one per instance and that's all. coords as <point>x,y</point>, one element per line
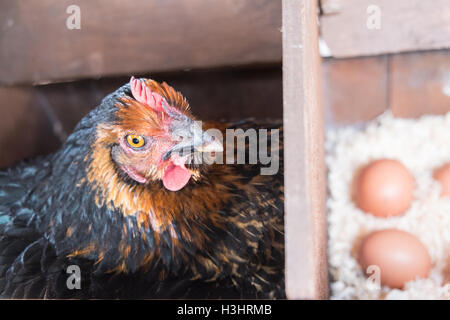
<point>422,145</point>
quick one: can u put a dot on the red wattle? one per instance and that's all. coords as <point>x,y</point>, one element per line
<point>176,177</point>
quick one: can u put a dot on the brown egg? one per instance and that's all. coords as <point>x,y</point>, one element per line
<point>442,175</point>
<point>400,256</point>
<point>384,188</point>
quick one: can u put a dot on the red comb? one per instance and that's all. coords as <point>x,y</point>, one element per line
<point>144,95</point>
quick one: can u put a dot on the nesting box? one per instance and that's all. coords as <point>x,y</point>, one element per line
<point>380,66</point>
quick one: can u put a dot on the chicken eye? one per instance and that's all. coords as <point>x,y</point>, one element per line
<point>135,141</point>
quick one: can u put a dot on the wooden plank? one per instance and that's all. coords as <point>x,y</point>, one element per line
<point>125,37</point>
<point>355,90</point>
<point>305,218</point>
<point>405,25</point>
<point>420,83</point>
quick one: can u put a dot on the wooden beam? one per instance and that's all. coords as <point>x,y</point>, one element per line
<point>305,218</point>
<point>405,25</point>
<point>125,37</point>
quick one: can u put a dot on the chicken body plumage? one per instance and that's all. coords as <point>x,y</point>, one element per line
<point>221,236</point>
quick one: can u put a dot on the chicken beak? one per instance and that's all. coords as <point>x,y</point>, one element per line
<point>209,144</point>
<point>195,141</point>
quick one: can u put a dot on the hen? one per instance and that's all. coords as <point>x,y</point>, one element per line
<point>125,209</point>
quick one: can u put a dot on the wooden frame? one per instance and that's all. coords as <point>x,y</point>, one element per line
<point>305,214</point>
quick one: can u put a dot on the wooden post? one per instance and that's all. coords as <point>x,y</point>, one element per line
<point>305,219</point>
